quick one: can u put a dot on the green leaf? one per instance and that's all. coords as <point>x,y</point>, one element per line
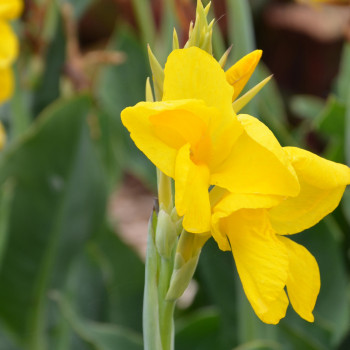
<point>58,203</point>
<point>123,274</point>
<point>331,123</point>
<point>241,35</point>
<point>220,288</point>
<point>49,86</point>
<point>199,331</point>
<point>101,336</point>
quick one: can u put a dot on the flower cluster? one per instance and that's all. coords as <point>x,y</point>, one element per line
<point>9,9</point>
<point>235,182</point>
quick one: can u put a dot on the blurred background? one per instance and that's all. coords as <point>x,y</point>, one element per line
<point>76,194</point>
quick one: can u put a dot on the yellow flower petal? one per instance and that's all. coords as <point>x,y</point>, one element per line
<point>160,141</point>
<point>232,202</point>
<point>275,310</point>
<point>261,259</point>
<point>10,9</point>
<point>239,74</point>
<point>303,284</point>
<point>191,192</point>
<point>6,84</point>
<point>322,184</point>
<point>8,45</point>
<point>257,164</point>
<point>194,74</point>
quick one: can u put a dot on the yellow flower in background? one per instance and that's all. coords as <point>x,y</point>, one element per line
<point>194,136</point>
<point>9,9</point>
<point>253,227</point>
<point>8,45</point>
<point>6,84</point>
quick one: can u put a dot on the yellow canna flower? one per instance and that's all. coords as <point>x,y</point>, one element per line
<point>6,83</point>
<point>194,136</point>
<point>10,9</point>
<point>8,45</point>
<point>253,227</point>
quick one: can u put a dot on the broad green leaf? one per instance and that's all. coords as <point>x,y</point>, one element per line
<point>49,86</point>
<point>101,336</point>
<point>198,331</point>
<point>58,203</point>
<point>123,274</point>
<point>86,290</point>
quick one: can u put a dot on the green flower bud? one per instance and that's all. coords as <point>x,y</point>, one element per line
<point>166,234</point>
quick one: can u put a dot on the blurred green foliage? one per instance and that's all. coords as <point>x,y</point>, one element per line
<point>66,280</point>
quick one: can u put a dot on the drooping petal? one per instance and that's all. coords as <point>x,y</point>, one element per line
<point>322,184</point>
<point>239,74</point>
<point>8,45</point>
<point>261,259</point>
<point>159,129</point>
<point>303,284</point>
<point>191,192</point>
<point>194,74</point>
<point>275,310</point>
<point>10,9</point>
<point>256,164</point>
<point>6,84</point>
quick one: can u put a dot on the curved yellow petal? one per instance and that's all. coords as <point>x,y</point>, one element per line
<point>6,84</point>
<point>256,164</point>
<point>191,192</point>
<point>275,310</point>
<point>322,184</point>
<point>8,45</point>
<point>303,284</point>
<point>239,74</point>
<point>322,173</point>
<point>194,74</point>
<point>261,259</point>
<point>10,9</point>
<point>158,140</point>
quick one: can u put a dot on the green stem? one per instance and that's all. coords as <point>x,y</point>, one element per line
<point>151,332</point>
<point>165,196</point>
<point>166,308</point>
